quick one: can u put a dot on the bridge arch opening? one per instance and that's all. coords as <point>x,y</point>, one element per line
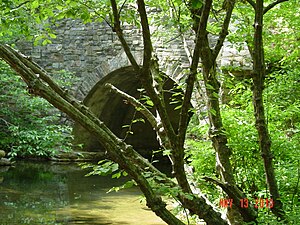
<point>117,114</point>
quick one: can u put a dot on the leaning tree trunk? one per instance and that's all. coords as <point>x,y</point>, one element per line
<point>259,112</point>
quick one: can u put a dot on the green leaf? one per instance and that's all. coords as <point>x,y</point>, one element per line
<point>117,175</point>
<point>46,41</point>
<point>51,35</point>
<point>196,4</point>
<point>213,112</point>
<point>128,184</point>
<point>138,120</point>
<point>178,107</point>
<point>149,102</point>
<point>35,4</point>
<point>209,87</point>
<point>216,95</point>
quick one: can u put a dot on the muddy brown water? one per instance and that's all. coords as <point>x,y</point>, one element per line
<point>47,193</point>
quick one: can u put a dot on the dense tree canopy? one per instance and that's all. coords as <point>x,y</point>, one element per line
<point>247,152</point>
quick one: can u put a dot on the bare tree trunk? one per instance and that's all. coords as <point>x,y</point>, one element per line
<point>259,112</point>
<point>212,86</point>
<point>218,137</point>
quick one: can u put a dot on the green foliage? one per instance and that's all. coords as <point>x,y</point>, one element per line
<point>281,35</point>
<point>103,168</point>
<point>29,125</point>
<point>281,98</point>
<point>107,167</point>
<point>33,19</point>
<point>201,156</point>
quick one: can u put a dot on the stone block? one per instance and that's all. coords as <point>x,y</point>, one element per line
<point>56,65</point>
<point>5,162</point>
<point>54,47</point>
<point>2,153</point>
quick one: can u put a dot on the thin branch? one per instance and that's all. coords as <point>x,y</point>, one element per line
<point>150,70</point>
<point>173,38</point>
<point>201,33</point>
<point>19,6</point>
<point>177,14</point>
<point>142,108</point>
<point>146,34</point>
<point>178,153</point>
<point>96,12</point>
<point>6,122</point>
<point>252,3</point>
<point>271,5</point>
<point>122,6</point>
<point>161,133</point>
<point>186,48</point>
<point>224,32</point>
<point>204,17</point>
<point>119,32</point>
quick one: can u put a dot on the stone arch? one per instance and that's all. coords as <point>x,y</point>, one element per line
<point>115,112</point>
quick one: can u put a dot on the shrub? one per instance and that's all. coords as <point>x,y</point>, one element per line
<point>29,126</point>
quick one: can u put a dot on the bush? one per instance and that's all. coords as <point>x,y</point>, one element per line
<point>29,126</point>
<point>282,108</point>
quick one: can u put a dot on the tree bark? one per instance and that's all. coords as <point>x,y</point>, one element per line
<point>150,64</point>
<point>259,111</point>
<point>212,86</point>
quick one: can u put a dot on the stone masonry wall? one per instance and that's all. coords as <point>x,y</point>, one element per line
<point>91,51</point>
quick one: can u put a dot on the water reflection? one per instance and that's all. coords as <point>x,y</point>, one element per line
<point>44,193</point>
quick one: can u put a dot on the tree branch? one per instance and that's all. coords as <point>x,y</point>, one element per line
<point>201,33</point>
<point>119,32</point>
<point>271,5</point>
<point>6,122</point>
<point>146,34</point>
<point>122,6</point>
<point>143,109</point>
<point>261,125</point>
<point>201,36</point>
<point>150,67</point>
<point>96,12</point>
<point>19,6</point>
<point>248,214</point>
<point>145,74</point>
<point>224,32</point>
<point>252,3</point>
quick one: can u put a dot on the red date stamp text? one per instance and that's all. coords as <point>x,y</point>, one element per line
<point>245,203</point>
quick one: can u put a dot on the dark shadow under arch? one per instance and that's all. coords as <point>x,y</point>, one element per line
<point>117,113</point>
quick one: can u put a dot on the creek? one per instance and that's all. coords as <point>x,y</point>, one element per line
<point>56,193</point>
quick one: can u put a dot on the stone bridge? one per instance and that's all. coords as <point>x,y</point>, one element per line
<point>93,53</point>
